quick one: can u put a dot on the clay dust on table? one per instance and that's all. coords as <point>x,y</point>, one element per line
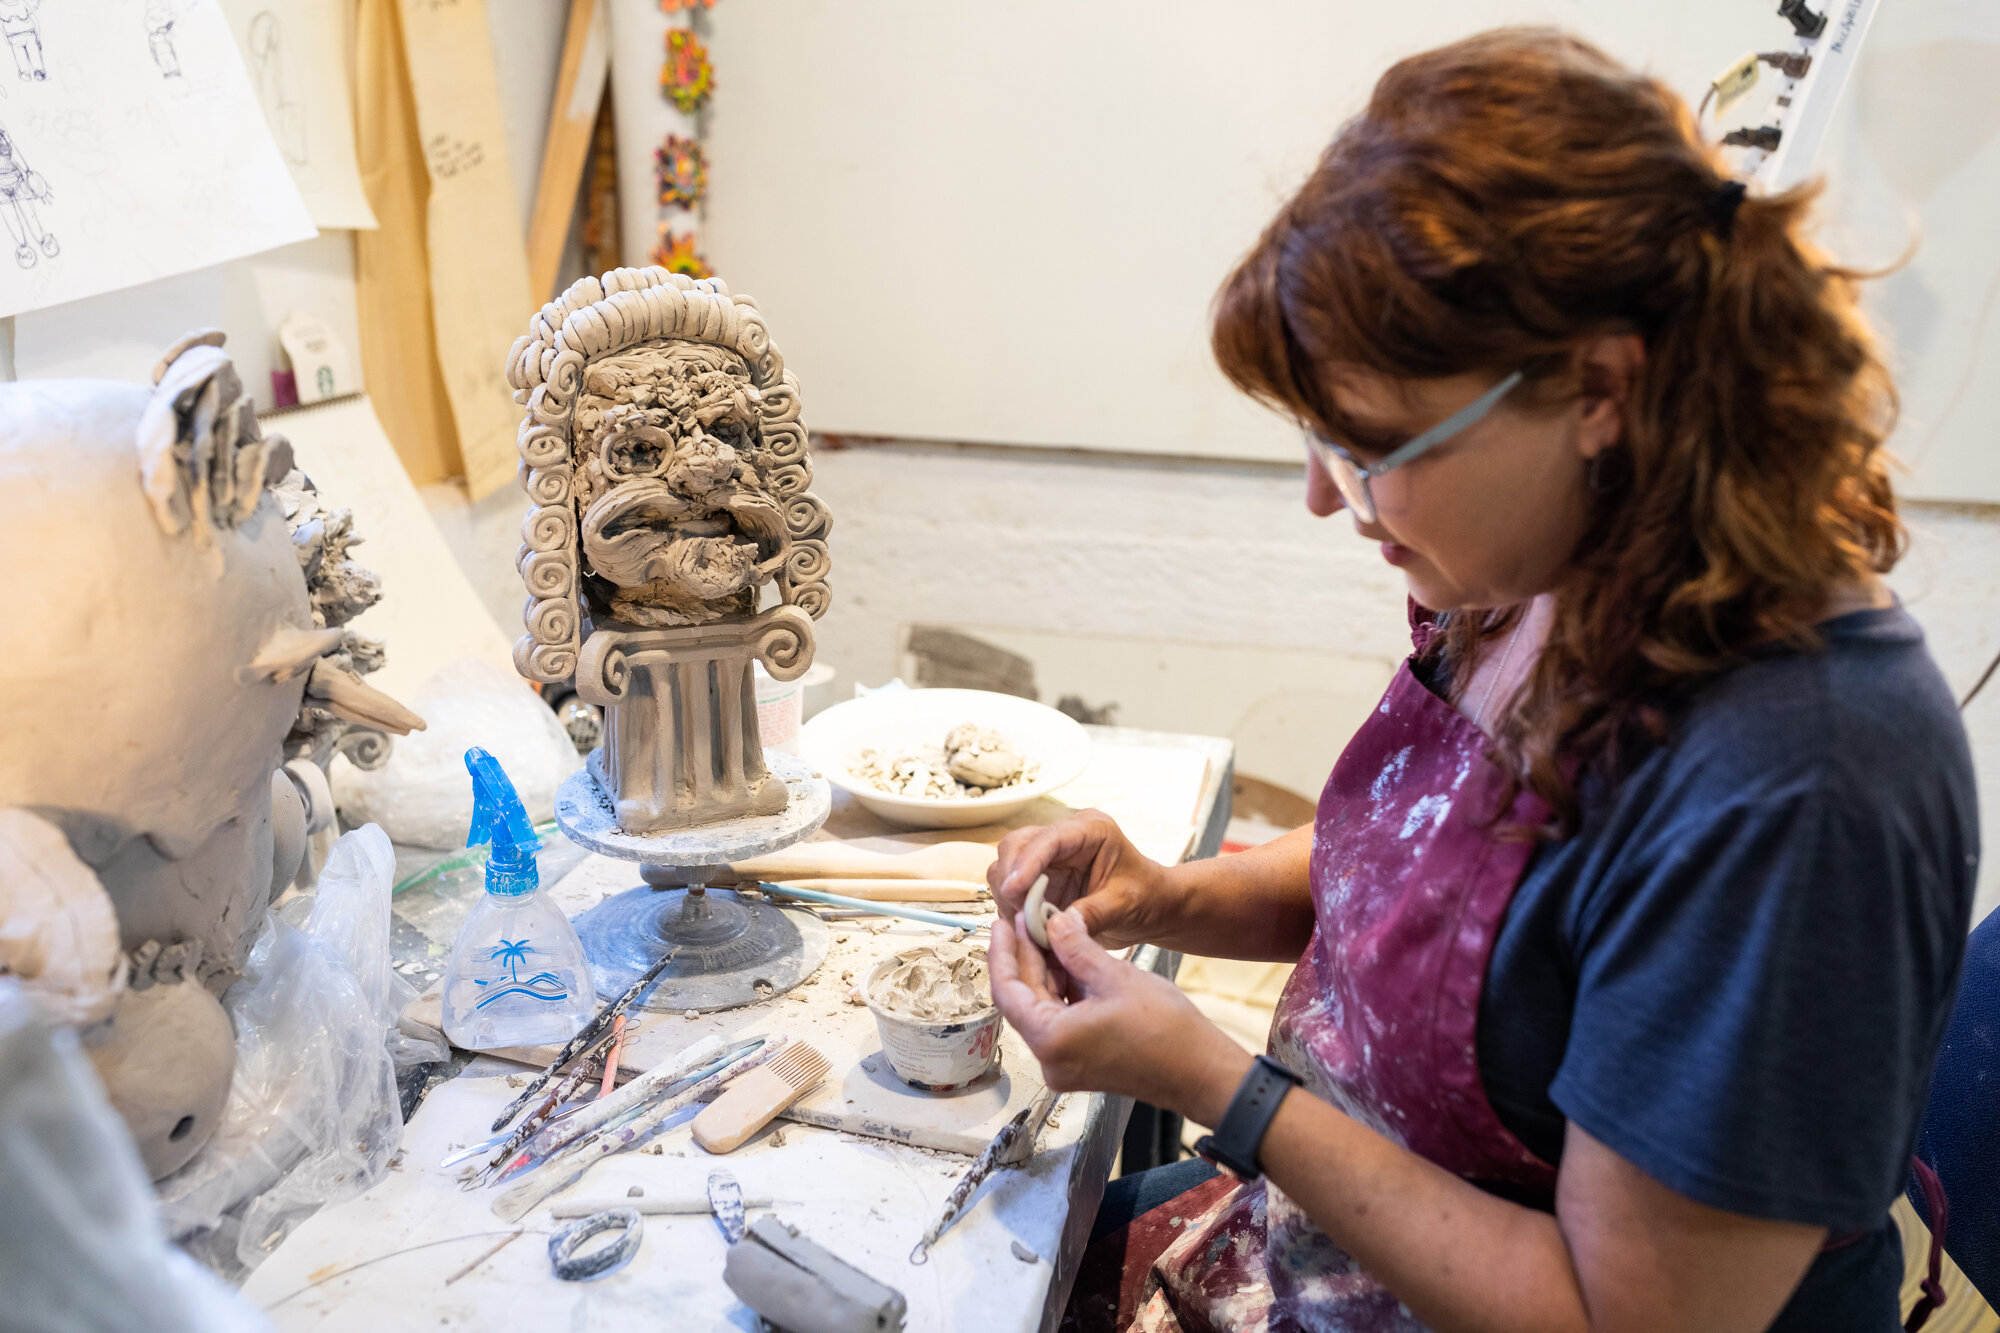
<point>937,983</point>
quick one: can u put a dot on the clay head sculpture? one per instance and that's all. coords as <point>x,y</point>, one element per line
<point>668,470</point>
<point>160,647</point>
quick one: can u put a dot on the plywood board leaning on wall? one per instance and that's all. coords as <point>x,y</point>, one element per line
<point>478,262</point>
<point>444,285</point>
<point>391,265</point>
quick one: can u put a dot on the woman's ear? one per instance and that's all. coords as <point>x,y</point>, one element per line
<point>1608,367</point>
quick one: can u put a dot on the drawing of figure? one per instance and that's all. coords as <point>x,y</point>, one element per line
<point>17,21</point>
<point>286,117</point>
<point>20,189</point>
<point>159,16</point>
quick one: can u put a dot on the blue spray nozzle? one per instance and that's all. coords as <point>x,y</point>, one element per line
<point>498,817</point>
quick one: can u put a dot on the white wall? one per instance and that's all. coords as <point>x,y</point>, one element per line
<point>1006,222</point>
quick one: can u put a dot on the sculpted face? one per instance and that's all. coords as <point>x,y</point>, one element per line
<point>679,522</point>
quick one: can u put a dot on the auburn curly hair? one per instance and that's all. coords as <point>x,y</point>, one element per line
<point>1507,196</point>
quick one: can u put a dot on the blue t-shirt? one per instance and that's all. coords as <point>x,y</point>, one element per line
<point>1736,974</point>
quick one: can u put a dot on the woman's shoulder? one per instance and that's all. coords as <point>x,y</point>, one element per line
<point>1863,714</point>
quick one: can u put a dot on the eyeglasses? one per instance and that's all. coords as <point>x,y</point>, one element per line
<point>1351,477</point>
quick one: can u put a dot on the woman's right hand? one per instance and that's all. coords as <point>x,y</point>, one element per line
<point>1123,897</point>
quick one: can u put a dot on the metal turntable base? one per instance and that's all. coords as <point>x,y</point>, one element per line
<point>727,950</point>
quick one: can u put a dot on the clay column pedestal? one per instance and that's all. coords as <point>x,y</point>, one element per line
<point>681,745</point>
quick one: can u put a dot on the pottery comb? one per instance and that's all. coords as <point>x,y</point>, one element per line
<point>752,1101</point>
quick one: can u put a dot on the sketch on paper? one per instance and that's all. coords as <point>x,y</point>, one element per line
<point>293,51</point>
<point>142,154</point>
<point>286,115</point>
<point>159,16</point>
<point>24,38</point>
<point>20,190</point>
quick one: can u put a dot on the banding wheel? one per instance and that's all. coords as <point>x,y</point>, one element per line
<point>727,949</point>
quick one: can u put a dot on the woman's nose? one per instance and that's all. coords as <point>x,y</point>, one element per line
<point>1322,496</point>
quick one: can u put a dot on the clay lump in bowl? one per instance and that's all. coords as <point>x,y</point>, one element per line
<point>1053,748</point>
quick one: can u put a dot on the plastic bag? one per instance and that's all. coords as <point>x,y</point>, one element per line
<point>313,1114</point>
<point>81,1247</point>
<point>422,795</point>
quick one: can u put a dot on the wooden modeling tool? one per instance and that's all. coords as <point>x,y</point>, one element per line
<point>755,1099</point>
<point>829,859</point>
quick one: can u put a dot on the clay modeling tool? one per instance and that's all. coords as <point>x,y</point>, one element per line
<point>497,1246</point>
<point>611,1060</point>
<point>568,1166</point>
<point>647,1207</point>
<point>799,1286</point>
<point>564,1244</point>
<point>755,1099</point>
<point>876,909</point>
<point>1028,1123</point>
<point>538,1120</point>
<point>466,1154</point>
<point>1035,913</point>
<point>896,890</point>
<point>725,1198</point>
<point>675,1074</point>
<point>583,1040</point>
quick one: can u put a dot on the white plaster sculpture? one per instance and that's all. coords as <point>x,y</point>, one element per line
<point>667,465</point>
<point>169,643</point>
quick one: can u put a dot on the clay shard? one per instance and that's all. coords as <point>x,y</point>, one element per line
<point>203,460</point>
<point>58,931</point>
<point>346,695</point>
<point>289,652</point>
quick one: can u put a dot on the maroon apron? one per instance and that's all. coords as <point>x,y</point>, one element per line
<point>1410,880</point>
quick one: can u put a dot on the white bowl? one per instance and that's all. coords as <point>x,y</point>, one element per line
<point>835,737</point>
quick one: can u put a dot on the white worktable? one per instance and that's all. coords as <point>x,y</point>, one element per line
<point>380,1262</point>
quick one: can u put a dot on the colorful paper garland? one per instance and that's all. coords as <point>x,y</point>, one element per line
<point>675,253</point>
<point>687,78</point>
<point>681,170</point>
<point>676,6</point>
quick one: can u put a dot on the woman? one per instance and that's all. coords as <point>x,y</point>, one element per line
<point>1630,921</point>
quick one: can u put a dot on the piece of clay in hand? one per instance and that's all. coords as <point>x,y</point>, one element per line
<point>1036,912</point>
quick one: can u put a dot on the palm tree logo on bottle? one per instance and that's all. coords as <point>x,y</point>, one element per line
<point>513,955</point>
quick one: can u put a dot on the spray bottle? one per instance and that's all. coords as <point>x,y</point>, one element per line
<point>517,975</point>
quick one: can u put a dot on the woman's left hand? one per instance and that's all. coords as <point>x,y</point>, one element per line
<point>1127,1031</point>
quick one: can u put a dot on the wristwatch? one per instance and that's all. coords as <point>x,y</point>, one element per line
<point>1234,1145</point>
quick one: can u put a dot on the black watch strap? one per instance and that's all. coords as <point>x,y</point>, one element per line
<point>1236,1141</point>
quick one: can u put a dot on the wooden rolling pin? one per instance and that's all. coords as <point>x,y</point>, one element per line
<point>965,862</point>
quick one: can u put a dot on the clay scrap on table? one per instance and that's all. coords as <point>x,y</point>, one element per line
<point>936,983</point>
<point>668,471</point>
<point>973,761</point>
<point>170,643</point>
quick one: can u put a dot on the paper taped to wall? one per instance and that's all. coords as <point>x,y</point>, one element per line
<point>131,149</point>
<point>295,52</point>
